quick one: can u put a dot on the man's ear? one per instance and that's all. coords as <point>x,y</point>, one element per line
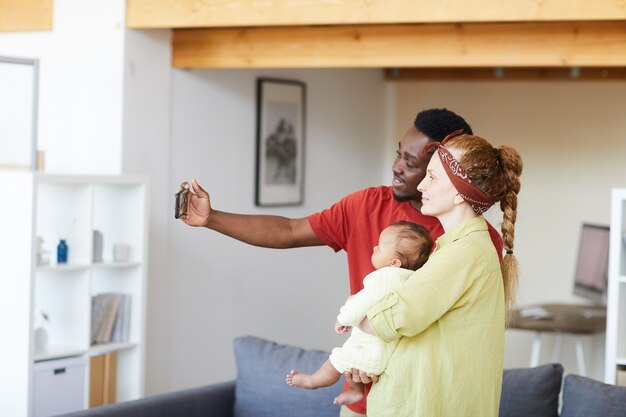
<point>396,262</point>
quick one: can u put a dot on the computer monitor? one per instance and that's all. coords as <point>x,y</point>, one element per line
<point>592,265</point>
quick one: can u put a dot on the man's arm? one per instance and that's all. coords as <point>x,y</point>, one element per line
<point>259,230</point>
<point>263,230</point>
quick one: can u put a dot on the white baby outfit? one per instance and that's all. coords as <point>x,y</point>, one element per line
<point>362,350</point>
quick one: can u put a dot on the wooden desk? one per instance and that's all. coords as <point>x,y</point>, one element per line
<point>572,319</point>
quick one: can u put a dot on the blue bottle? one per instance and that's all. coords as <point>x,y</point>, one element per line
<point>62,252</point>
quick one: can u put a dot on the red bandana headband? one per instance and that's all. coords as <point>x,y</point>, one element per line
<point>478,200</point>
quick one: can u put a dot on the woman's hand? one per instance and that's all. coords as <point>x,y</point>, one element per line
<point>360,376</point>
<point>198,206</point>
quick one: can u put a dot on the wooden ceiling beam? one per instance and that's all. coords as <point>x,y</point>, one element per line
<point>474,45</point>
<point>25,15</point>
<point>146,14</point>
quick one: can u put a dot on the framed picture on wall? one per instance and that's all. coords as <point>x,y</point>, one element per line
<point>19,94</point>
<point>280,142</point>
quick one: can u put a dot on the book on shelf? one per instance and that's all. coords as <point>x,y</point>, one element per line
<point>100,305</point>
<point>122,321</point>
<point>110,318</point>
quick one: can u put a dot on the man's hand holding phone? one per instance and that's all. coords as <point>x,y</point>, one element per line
<point>193,205</point>
<point>181,203</point>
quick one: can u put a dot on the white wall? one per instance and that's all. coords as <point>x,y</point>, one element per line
<point>80,104</point>
<point>571,138</point>
<point>221,288</point>
<point>146,150</point>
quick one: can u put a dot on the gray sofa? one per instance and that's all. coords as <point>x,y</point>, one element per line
<point>260,391</point>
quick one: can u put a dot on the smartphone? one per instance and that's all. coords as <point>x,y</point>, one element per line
<point>180,207</point>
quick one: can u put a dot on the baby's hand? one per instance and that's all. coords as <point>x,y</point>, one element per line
<point>341,329</point>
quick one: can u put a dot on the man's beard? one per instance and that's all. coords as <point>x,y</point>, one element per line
<point>403,198</point>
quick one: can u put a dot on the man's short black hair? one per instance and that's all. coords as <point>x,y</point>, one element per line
<point>439,123</point>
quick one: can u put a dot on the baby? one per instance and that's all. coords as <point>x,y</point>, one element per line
<point>402,248</point>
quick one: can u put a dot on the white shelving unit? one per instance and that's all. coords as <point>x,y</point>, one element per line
<point>616,299</point>
<point>47,206</point>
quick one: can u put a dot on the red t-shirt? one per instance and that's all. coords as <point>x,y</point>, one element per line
<point>354,224</point>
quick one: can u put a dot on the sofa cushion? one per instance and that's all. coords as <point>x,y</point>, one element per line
<point>531,391</point>
<point>261,390</point>
<point>584,397</point>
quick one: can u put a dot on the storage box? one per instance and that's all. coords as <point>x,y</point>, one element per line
<point>59,386</point>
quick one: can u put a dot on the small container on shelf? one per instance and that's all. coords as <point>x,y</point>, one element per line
<point>41,333</point>
<point>42,254</point>
<point>62,252</point>
<point>98,241</point>
<point>121,252</point>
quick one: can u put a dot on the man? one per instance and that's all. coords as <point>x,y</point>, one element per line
<point>352,224</point>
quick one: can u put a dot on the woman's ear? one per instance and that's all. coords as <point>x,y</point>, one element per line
<point>458,199</point>
<point>396,262</point>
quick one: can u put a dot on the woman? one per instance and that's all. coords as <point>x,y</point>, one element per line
<point>450,315</point>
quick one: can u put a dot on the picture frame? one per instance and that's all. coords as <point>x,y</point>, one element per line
<point>19,103</point>
<point>280,139</point>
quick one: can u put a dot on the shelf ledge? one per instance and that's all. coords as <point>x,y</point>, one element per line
<point>63,267</point>
<point>116,264</point>
<point>57,352</point>
<point>83,267</point>
<point>96,350</point>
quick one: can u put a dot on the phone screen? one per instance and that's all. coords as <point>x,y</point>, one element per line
<point>180,208</point>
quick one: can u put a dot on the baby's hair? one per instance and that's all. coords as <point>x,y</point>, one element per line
<point>413,244</point>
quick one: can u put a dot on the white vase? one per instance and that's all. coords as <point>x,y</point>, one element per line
<point>41,338</point>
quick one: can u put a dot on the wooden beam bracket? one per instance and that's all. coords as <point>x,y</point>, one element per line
<point>505,74</point>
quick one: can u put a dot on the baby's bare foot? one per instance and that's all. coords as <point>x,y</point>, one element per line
<point>296,379</point>
<point>290,375</point>
<point>348,397</point>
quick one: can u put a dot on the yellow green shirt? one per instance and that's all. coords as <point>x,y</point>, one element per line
<point>450,317</point>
